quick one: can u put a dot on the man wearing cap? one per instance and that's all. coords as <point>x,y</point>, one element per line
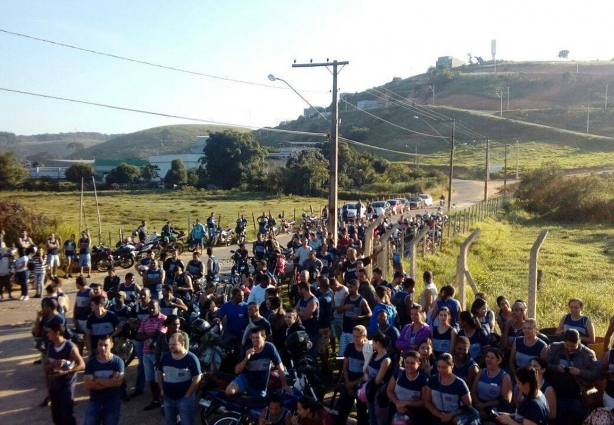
<point>197,234</point>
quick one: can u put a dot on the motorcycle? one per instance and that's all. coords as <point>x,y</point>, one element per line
<point>223,236</point>
<point>287,226</point>
<point>124,257</point>
<point>239,266</point>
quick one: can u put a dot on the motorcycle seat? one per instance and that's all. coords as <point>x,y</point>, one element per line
<point>244,400</point>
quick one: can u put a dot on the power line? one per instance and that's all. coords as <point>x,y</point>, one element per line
<point>171,68</point>
<point>434,115</point>
<point>160,114</point>
<point>354,142</point>
<point>391,123</point>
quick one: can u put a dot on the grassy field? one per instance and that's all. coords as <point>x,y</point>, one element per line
<point>576,261</point>
<point>125,210</point>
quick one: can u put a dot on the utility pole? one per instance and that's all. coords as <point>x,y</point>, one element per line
<point>505,171</point>
<point>606,97</point>
<point>417,162</point>
<point>451,166</point>
<point>487,176</point>
<point>433,90</point>
<point>588,116</point>
<point>508,98</point>
<point>334,145</point>
<point>517,157</point>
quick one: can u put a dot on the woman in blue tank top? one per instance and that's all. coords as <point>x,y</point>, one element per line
<point>443,335</point>
<point>446,392</point>
<point>575,320</point>
<point>527,347</point>
<point>513,327</point>
<point>504,314</point>
<point>493,387</point>
<point>379,372</point>
<point>541,366</point>
<point>472,329</point>
<point>407,389</point>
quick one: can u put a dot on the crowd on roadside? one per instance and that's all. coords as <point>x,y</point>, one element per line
<point>410,352</point>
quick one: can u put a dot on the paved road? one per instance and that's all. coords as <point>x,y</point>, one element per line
<point>22,383</point>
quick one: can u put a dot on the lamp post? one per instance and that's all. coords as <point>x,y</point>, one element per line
<point>588,116</point>
<point>451,173</point>
<point>433,90</point>
<point>271,77</point>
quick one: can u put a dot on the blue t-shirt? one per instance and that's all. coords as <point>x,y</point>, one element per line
<point>46,323</point>
<point>535,409</point>
<point>130,291</point>
<point>63,352</point>
<point>236,317</point>
<point>258,367</point>
<point>121,313</point>
<point>101,326</point>
<point>348,323</point>
<point>311,324</point>
<point>410,389</point>
<point>83,304</point>
<point>442,342</point>
<point>489,388</point>
<point>447,398</point>
<point>104,370</point>
<point>373,325</point>
<point>178,374</point>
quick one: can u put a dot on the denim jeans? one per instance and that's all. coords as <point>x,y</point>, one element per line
<point>183,407</point>
<point>22,279</point>
<point>106,413</point>
<point>140,370</point>
<point>149,359</point>
<point>39,282</point>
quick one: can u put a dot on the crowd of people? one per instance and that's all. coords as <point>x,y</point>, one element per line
<point>410,353</point>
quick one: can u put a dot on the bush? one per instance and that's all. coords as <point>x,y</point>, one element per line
<point>14,218</point>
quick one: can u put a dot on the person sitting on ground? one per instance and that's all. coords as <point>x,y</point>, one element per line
<point>254,369</point>
<point>309,412</point>
<point>575,320</point>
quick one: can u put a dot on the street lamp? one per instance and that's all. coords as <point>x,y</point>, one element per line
<point>433,90</point>
<point>588,116</point>
<point>451,155</point>
<point>500,97</point>
<point>274,78</point>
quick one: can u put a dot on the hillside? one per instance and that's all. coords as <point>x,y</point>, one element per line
<point>45,146</point>
<point>153,141</point>
<point>545,115</point>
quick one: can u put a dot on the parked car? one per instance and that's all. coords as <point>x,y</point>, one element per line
<point>396,206</point>
<point>428,199</point>
<point>351,211</point>
<point>380,208</point>
<point>415,203</point>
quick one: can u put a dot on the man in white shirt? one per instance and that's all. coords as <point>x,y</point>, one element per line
<point>5,268</point>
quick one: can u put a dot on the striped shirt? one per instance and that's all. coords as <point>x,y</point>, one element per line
<point>152,327</point>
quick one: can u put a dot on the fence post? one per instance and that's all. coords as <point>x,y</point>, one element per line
<point>413,251</point>
<point>532,310</point>
<point>461,267</point>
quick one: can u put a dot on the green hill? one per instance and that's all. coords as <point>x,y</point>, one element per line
<point>153,141</point>
<point>49,146</point>
<point>545,98</point>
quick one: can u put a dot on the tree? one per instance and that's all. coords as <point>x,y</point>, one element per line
<point>480,60</point>
<point>150,172</point>
<point>79,171</point>
<point>124,174</point>
<point>305,172</point>
<point>563,54</point>
<point>358,133</point>
<point>177,175</point>
<point>12,173</point>
<point>233,159</point>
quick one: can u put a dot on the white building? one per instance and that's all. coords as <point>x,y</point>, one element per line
<point>190,160</point>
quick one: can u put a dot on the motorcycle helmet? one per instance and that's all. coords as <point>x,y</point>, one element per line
<point>200,327</point>
<point>298,343</point>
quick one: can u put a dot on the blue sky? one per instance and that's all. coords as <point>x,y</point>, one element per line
<point>247,40</point>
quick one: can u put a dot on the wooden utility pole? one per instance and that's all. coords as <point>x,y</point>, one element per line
<point>505,171</point>
<point>451,166</point>
<point>517,157</point>
<point>334,144</point>
<point>487,176</point>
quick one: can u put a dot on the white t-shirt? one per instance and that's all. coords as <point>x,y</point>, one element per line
<point>303,254</point>
<point>339,298</point>
<point>430,287</point>
<point>257,294</point>
<point>21,264</point>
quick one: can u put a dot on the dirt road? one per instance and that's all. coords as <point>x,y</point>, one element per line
<point>21,382</point>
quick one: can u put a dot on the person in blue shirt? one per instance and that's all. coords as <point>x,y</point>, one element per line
<point>211,227</point>
<point>407,390</point>
<point>104,374</point>
<point>197,234</point>
<point>446,392</point>
<point>179,376</point>
<point>100,323</point>
<point>254,369</point>
<point>533,409</point>
<point>234,318</point>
